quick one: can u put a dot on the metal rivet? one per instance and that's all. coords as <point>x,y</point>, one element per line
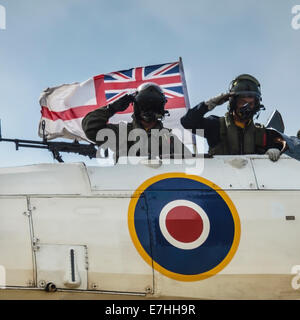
<point>94,286</point>
<point>30,283</point>
<point>148,289</point>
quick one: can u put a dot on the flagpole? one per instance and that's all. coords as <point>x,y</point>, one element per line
<point>185,92</point>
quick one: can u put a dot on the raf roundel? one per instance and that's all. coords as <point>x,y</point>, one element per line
<point>185,226</point>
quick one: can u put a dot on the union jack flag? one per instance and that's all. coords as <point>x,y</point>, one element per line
<point>64,107</point>
<point>117,84</point>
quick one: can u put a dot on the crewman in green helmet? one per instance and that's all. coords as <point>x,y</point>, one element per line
<point>235,133</point>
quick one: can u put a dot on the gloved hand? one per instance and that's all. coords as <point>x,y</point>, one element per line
<point>216,101</point>
<point>121,104</point>
<point>274,154</point>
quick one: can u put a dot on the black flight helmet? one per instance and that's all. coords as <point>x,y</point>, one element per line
<point>245,85</point>
<point>149,102</point>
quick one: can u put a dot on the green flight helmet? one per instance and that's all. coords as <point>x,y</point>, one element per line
<point>245,85</point>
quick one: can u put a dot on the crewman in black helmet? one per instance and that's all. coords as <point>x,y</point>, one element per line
<point>149,111</point>
<point>235,133</point>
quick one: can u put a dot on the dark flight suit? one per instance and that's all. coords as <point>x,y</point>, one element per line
<point>98,119</point>
<point>226,138</point>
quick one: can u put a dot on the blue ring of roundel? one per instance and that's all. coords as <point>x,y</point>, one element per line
<point>187,262</point>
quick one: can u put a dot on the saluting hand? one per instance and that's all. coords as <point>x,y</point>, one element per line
<point>218,100</point>
<point>121,104</point>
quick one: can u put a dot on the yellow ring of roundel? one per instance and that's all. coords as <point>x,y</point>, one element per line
<point>159,268</point>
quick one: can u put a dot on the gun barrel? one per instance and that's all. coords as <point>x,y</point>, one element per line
<point>56,147</point>
<point>32,146</point>
<point>23,141</point>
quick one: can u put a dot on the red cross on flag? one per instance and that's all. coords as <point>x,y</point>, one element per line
<point>64,107</point>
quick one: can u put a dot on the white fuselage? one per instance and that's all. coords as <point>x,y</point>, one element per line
<point>72,226</point>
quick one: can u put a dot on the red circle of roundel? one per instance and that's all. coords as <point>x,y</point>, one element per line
<point>184,224</point>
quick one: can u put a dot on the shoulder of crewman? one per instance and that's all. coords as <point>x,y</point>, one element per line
<point>95,121</point>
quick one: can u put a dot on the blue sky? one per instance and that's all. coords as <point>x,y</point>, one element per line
<point>48,43</point>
